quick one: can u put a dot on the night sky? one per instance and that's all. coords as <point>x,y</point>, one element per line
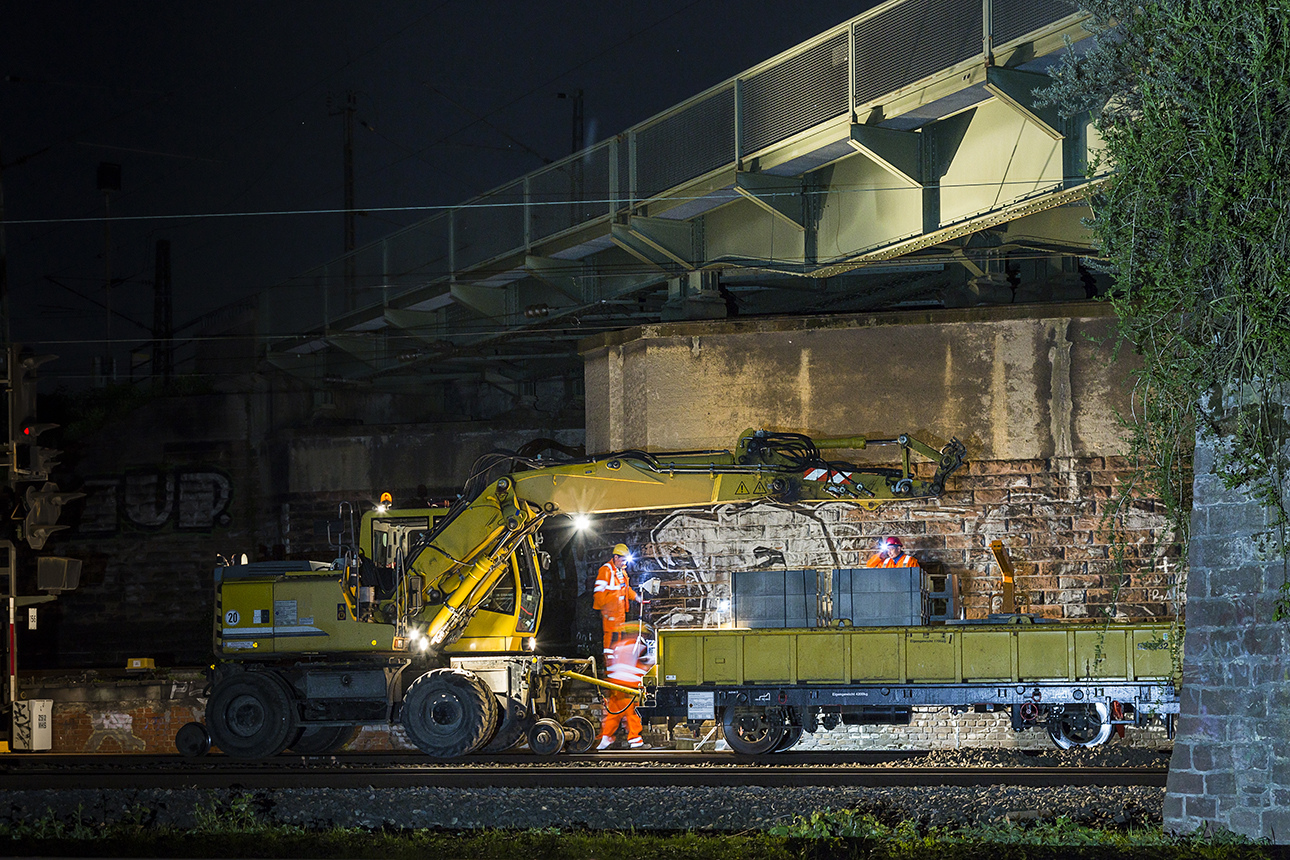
<point>217,108</point>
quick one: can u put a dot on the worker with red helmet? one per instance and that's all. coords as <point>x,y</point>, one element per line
<point>613,595</point>
<point>629,661</point>
<point>891,553</point>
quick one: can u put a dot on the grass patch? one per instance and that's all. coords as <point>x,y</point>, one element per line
<point>236,828</point>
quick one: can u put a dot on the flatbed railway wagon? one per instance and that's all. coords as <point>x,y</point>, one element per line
<point>766,687</point>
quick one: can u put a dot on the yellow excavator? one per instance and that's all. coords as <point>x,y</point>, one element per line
<point>430,618</point>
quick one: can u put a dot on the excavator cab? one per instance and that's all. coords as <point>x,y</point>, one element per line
<point>508,619</point>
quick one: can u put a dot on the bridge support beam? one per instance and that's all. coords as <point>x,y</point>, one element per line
<point>900,153</point>
<point>1017,90</point>
<point>661,242</point>
<point>781,196</point>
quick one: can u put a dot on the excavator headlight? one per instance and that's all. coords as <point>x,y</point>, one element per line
<point>581,522</point>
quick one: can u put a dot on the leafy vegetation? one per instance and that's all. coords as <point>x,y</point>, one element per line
<point>237,827</point>
<point>1192,100</point>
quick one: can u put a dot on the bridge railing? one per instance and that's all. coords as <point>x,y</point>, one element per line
<point>896,46</point>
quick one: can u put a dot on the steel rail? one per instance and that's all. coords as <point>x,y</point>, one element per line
<point>652,769</point>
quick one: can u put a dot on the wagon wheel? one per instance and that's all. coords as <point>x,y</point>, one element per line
<point>751,731</point>
<point>1080,726</point>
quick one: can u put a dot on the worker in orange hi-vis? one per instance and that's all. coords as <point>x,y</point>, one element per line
<point>612,596</point>
<point>628,663</point>
<point>891,553</point>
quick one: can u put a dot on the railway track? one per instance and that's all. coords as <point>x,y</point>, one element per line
<point>653,769</point>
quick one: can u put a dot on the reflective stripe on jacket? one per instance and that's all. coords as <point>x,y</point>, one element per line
<point>612,591</point>
<point>902,560</point>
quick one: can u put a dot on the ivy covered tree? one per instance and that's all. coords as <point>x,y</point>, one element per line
<point>1192,101</point>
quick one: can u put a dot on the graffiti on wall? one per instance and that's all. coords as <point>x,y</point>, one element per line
<point>693,552</point>
<point>187,499</point>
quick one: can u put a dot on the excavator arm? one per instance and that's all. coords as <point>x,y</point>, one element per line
<point>508,499</point>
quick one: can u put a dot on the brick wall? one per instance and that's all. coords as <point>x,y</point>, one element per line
<point>1231,759</point>
<point>1050,514</point>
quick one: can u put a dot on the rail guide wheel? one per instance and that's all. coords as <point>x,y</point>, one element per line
<point>546,738</point>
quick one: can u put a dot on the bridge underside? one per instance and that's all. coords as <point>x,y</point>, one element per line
<point>866,169</point>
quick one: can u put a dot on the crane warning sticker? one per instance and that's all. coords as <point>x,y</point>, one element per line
<point>261,616</point>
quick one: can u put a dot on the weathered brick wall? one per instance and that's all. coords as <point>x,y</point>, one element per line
<point>1051,515</point>
<point>1231,759</point>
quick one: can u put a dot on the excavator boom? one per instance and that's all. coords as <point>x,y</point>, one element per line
<point>461,561</point>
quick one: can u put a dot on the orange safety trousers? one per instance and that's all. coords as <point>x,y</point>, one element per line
<point>621,707</point>
<point>611,622</point>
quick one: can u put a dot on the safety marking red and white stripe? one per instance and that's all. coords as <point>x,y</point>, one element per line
<point>837,477</point>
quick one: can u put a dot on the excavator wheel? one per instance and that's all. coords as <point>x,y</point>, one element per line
<point>449,713</point>
<point>321,740</point>
<point>251,715</point>
<point>511,727</point>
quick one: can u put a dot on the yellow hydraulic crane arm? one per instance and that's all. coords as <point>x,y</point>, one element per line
<point>471,549</point>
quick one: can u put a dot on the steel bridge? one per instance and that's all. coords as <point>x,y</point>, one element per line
<point>896,160</point>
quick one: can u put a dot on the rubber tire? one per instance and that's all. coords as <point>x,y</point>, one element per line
<point>449,713</point>
<point>192,740</point>
<point>251,715</point>
<point>546,738</point>
<point>587,733</point>
<point>750,731</point>
<point>1068,731</point>
<point>321,740</point>
<point>510,731</point>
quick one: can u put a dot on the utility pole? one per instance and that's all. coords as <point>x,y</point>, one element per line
<point>579,127</point>
<point>347,111</point>
<point>109,180</point>
<point>163,320</point>
<point>4,265</point>
<point>578,139</point>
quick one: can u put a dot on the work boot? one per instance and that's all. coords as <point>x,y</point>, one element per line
<point>638,744</point>
<point>605,743</point>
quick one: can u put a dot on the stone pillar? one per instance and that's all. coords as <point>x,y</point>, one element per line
<point>1231,759</point>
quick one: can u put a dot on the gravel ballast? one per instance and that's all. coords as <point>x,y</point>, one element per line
<point>736,808</point>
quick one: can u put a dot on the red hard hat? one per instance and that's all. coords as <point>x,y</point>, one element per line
<point>893,541</point>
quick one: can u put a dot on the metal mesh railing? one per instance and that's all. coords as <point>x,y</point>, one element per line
<point>796,94</point>
<point>491,226</point>
<point>911,41</point>
<point>1012,19</point>
<point>681,146</point>
<point>902,44</point>
<point>570,192</point>
<point>418,254</point>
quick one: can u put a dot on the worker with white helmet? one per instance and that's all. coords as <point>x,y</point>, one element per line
<point>613,595</point>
